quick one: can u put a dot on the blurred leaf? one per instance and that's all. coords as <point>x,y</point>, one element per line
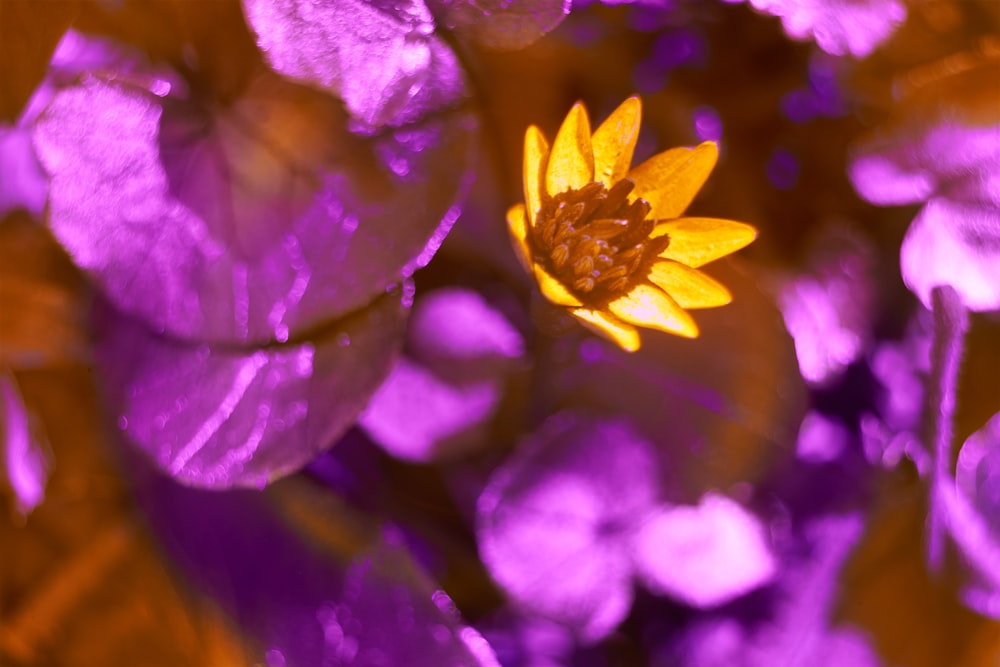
<point>215,416</point>
<point>29,32</point>
<point>24,185</point>
<point>383,59</point>
<point>25,460</point>
<point>793,628</point>
<point>439,399</point>
<point>309,578</point>
<point>957,244</point>
<point>704,555</point>
<point>251,223</point>
<point>839,28</point>
<point>42,299</point>
<point>555,523</point>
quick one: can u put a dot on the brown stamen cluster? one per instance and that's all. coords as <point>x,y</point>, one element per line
<point>596,242</point>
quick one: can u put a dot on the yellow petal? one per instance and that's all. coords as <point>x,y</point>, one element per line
<point>647,306</point>
<point>690,288</point>
<point>517,223</point>
<point>614,142</point>
<point>624,335</point>
<point>670,180</point>
<point>571,162</point>
<point>554,290</point>
<point>697,241</point>
<point>536,150</point>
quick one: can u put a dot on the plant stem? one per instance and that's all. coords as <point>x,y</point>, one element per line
<point>951,322</point>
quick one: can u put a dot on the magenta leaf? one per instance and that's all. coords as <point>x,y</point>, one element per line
<point>955,168</point>
<point>417,416</point>
<point>554,522</point>
<point>24,184</point>
<point>829,310</point>
<point>439,399</point>
<point>383,59</point>
<point>840,27</point>
<point>251,223</point>
<point>458,326</point>
<point>216,417</point>
<point>958,244</point>
<point>26,463</point>
<point>911,162</point>
<point>308,579</point>
<point>704,555</point>
<point>971,508</point>
<point>798,628</point>
<point>501,24</point>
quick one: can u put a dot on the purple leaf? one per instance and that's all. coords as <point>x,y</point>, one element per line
<point>822,439</point>
<point>798,630</point>
<point>24,184</point>
<point>216,417</point>
<point>307,579</point>
<point>457,325</point>
<point>249,223</point>
<point>554,521</point>
<point>383,59</point>
<point>417,416</point>
<point>957,244</point>
<point>971,505</point>
<point>501,24</point>
<point>911,162</point>
<point>829,310</point>
<point>705,555</point>
<point>438,400</point>
<point>978,471</point>
<point>25,461</point>
<point>955,168</point>
<point>840,27</point>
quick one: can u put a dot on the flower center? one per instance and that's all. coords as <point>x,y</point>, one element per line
<point>596,242</point>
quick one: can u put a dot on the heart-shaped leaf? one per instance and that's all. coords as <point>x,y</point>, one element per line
<point>215,416</point>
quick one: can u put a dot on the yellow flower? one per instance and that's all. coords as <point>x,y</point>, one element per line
<point>608,244</point>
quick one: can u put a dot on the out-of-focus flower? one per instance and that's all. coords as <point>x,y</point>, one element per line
<point>608,243</point>
<point>577,514</point>
<point>840,27</point>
